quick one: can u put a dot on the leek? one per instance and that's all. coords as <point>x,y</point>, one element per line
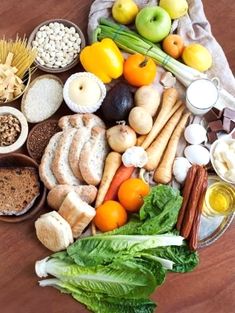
<point>131,42</point>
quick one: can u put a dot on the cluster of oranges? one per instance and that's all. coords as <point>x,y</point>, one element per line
<point>113,214</point>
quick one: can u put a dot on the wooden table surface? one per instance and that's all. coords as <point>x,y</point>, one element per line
<point>210,288</point>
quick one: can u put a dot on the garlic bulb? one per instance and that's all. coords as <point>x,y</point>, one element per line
<point>180,169</point>
<point>135,156</point>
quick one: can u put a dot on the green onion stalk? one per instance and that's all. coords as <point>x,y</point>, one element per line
<point>131,42</point>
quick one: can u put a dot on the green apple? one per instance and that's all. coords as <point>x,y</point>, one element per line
<point>153,23</point>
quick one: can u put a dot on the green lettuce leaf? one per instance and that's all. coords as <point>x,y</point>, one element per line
<point>135,278</point>
<point>155,202</point>
<point>158,214</point>
<point>164,221</point>
<point>102,304</point>
<point>96,250</point>
<point>184,259</point>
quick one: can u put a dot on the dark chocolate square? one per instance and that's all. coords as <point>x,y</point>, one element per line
<point>217,112</point>
<point>212,136</point>
<point>216,126</point>
<point>210,116</point>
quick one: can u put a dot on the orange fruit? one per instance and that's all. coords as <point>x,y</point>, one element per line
<point>173,45</point>
<point>110,215</point>
<point>131,193</point>
<point>139,70</point>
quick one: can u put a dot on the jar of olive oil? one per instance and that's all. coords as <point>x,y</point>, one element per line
<point>219,199</point>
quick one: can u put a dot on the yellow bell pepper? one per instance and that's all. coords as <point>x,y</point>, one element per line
<point>103,59</point>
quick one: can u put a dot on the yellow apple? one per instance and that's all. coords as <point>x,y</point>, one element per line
<point>175,8</point>
<point>124,11</point>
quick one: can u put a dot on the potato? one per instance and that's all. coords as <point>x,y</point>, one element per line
<point>148,98</point>
<point>140,120</point>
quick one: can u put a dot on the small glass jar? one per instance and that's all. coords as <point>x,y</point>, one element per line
<point>219,199</point>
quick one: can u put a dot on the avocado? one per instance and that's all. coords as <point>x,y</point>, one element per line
<point>118,103</point>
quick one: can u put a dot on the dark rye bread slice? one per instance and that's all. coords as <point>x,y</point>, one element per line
<point>19,188</point>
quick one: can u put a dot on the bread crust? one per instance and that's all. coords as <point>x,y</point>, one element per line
<point>93,156</point>
<point>60,164</point>
<point>57,195</point>
<point>15,200</point>
<point>53,231</point>
<point>45,171</point>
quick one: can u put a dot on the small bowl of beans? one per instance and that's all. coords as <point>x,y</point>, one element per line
<point>58,43</point>
<point>13,129</point>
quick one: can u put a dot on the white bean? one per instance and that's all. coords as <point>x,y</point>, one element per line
<point>76,46</point>
<point>72,38</point>
<point>78,41</point>
<point>72,30</point>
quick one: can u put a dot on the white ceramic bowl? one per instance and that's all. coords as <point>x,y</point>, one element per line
<point>227,139</point>
<point>24,129</point>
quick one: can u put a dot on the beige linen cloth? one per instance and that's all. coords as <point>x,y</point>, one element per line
<point>193,27</point>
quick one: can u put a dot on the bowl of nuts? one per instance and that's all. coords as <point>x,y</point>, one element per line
<point>13,129</point>
<point>58,43</point>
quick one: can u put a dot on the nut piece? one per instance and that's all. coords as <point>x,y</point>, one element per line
<point>9,129</point>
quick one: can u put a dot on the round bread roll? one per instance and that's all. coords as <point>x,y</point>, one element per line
<point>53,231</point>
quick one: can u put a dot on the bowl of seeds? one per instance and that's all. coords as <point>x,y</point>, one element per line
<point>39,137</point>
<point>13,129</point>
<point>58,43</point>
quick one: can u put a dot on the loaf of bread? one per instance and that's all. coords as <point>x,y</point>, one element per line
<point>45,171</point>
<point>84,123</point>
<point>53,231</point>
<point>64,122</point>
<point>57,195</point>
<point>19,188</point>
<point>93,156</point>
<point>77,213</point>
<point>60,164</point>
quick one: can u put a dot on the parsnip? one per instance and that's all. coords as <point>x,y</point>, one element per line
<point>112,163</point>
<point>141,139</point>
<point>169,99</point>
<point>155,151</point>
<point>163,173</point>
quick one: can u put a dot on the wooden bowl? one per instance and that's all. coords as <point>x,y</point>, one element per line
<point>21,160</point>
<point>67,24</point>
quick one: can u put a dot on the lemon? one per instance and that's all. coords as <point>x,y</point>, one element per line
<point>197,56</point>
<point>124,11</point>
<point>175,8</point>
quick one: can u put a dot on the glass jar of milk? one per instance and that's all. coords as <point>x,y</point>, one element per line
<point>202,95</point>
